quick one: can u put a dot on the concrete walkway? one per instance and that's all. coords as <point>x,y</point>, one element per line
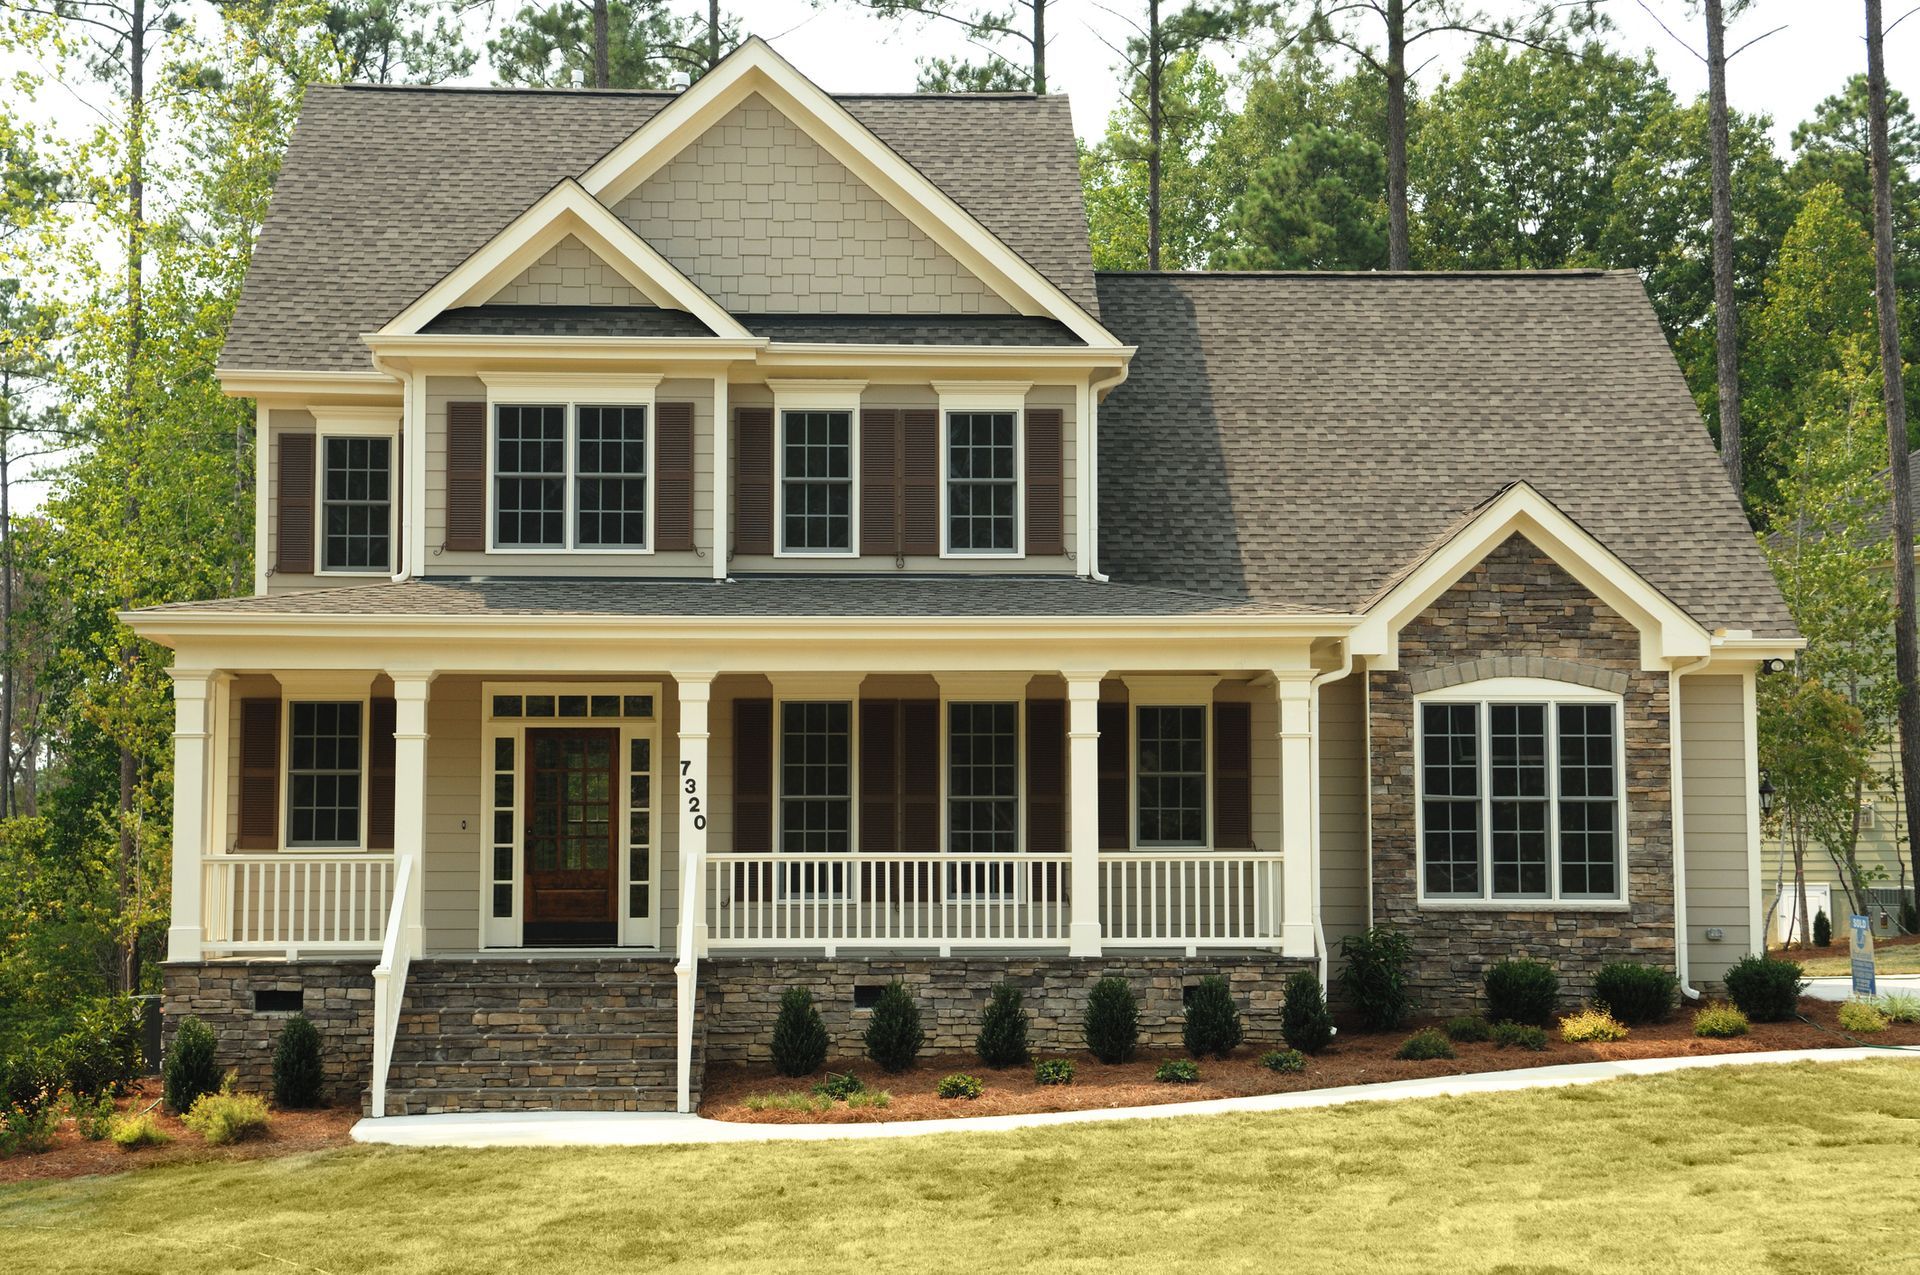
<point>1841,989</point>
<point>660,1129</point>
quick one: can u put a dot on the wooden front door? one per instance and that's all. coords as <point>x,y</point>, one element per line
<point>572,863</point>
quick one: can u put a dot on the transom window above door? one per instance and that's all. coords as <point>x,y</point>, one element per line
<point>816,482</point>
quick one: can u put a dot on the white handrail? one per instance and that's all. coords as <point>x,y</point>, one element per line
<point>295,901</point>
<point>390,985</point>
<point>1191,898</point>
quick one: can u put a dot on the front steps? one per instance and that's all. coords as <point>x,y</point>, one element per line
<point>537,1034</point>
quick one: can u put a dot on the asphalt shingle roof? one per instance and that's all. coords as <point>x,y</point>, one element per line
<point>652,321</point>
<point>386,189</point>
<point>1299,439</point>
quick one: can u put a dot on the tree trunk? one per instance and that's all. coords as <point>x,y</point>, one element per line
<point>1153,134</point>
<point>8,670</point>
<point>1726,318</point>
<point>602,74</point>
<point>1800,926</point>
<point>128,868</point>
<point>1399,246</point>
<point>1040,46</point>
<point>1907,631</point>
<point>713,34</point>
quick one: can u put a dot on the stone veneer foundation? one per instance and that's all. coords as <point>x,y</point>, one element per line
<point>337,996</point>
<point>1519,612</point>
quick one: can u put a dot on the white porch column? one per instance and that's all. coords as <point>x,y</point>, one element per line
<point>1293,689</point>
<point>695,692</point>
<point>410,690</point>
<point>1083,789</point>
<point>191,818</point>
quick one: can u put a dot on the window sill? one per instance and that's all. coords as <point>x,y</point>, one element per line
<point>1524,905</point>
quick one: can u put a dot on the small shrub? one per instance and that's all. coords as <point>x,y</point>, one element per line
<point>1468,1029</point>
<point>132,1132</point>
<point>1766,990</point>
<point>297,1076</point>
<point>893,1037</point>
<point>1909,917</point>
<point>1374,976</point>
<point>1901,1007</point>
<point>1822,929</point>
<point>227,1116</point>
<point>959,1085</point>
<point>1425,1045</point>
<point>1590,1025</point>
<point>101,1055</point>
<point>1520,990</point>
<point>92,1117</point>
<point>799,1037</point>
<point>1212,1022</point>
<point>1864,1017</point>
<point>792,1101</point>
<point>190,1070</point>
<point>840,1086</point>
<point>1113,1021</point>
<point>1635,993</point>
<point>870,1098</point>
<point>1177,1071</point>
<point>1285,1061</point>
<point>1519,1036</point>
<point>1002,1041</point>
<point>29,1093</point>
<point>1719,1022</point>
<point>1304,1020</point>
<point>1053,1071</point>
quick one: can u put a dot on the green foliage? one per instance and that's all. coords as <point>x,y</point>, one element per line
<point>840,1086</point>
<point>1822,929</point>
<point>1211,1024</point>
<point>133,1132</point>
<point>647,44</point>
<point>1719,1022</point>
<point>92,1117</point>
<point>960,1085</point>
<point>869,1098</point>
<point>1766,990</point>
<point>1305,1022</point>
<point>1113,172</point>
<point>1521,990</point>
<point>1519,1036</point>
<point>101,1055</point>
<point>29,1096</point>
<point>1909,917</point>
<point>893,1036</point>
<point>1634,992</point>
<point>1317,204</point>
<point>1113,1020</point>
<point>227,1117</point>
<point>1002,1041</point>
<point>799,1035</point>
<point>1177,1071</point>
<point>1862,1016</point>
<point>1424,1046</point>
<point>1374,976</point>
<point>394,42</point>
<point>1900,1007</point>
<point>1468,1029</point>
<point>1591,1025</point>
<point>1284,1061</point>
<point>190,1070</point>
<point>1053,1071</point>
<point>297,1073</point>
<point>791,1101</point>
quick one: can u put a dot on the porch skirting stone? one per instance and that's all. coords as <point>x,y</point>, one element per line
<point>741,995</point>
<point>336,995</point>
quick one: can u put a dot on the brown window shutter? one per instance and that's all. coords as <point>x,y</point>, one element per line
<point>295,519</point>
<point>1047,776</point>
<point>1233,776</point>
<point>880,768</point>
<point>259,775</point>
<point>920,776</point>
<point>1115,826</point>
<point>752,793</point>
<point>380,773</point>
<point>673,479</point>
<point>920,483</point>
<point>1046,506</point>
<point>467,477</point>
<point>880,482</point>
<point>753,480</point>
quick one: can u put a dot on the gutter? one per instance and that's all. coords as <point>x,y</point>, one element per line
<point>1678,818</point>
<point>1094,390</point>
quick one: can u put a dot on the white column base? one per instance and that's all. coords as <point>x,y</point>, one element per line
<point>185,943</point>
<point>1296,939</point>
<point>684,1003</point>
<point>1083,938</point>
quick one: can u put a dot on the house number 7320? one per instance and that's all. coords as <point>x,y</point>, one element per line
<point>691,787</point>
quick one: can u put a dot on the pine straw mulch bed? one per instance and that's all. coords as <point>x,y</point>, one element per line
<point>72,1156</point>
<point>1355,1058</point>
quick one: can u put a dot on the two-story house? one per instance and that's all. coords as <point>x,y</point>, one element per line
<point>718,541</point>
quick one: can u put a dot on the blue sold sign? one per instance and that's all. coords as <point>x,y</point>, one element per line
<point>1860,947</point>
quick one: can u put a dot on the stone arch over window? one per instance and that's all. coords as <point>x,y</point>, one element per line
<point>1613,681</point>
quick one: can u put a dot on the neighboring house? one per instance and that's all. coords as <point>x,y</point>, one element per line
<point>730,540</point>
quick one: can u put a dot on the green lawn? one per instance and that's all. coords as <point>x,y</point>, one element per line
<point>1809,1167</point>
<point>1904,959</point>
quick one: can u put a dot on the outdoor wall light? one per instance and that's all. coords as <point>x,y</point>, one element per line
<point>1715,934</point>
<point>1766,794</point>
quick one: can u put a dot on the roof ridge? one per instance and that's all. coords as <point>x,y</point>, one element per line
<point>1565,272</point>
<point>545,90</point>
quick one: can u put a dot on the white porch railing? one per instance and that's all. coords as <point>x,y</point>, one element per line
<point>390,986</point>
<point>1190,899</point>
<point>296,902</point>
<point>849,900</point>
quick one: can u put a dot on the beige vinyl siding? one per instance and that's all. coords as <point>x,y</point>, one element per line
<point>569,273</point>
<point>456,826</point>
<point>906,396</point>
<point>442,390</point>
<point>1715,777</point>
<point>1343,807</point>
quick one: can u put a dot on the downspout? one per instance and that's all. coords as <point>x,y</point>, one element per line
<point>1092,494</point>
<point>1678,818</point>
<point>1313,780</point>
<point>412,470</point>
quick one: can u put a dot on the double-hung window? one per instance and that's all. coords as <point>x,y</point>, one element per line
<point>356,515</point>
<point>1520,797</point>
<point>816,776</point>
<point>323,774</point>
<point>983,482</point>
<point>571,465</point>
<point>1170,779</point>
<point>530,476</point>
<point>610,477</point>
<point>816,481</point>
<point>983,795</point>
